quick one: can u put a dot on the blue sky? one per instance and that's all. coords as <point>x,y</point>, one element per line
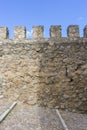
<point>43,12</point>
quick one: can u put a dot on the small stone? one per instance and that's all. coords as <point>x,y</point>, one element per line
<point>73,110</point>
<point>1,96</point>
<point>24,87</point>
<point>3,84</point>
<point>62,106</point>
<point>56,107</point>
<point>66,96</point>
<point>84,99</point>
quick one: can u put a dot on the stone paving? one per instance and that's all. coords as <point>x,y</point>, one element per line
<point>25,117</point>
<point>75,121</point>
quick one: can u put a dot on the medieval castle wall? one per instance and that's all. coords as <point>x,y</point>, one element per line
<point>50,72</point>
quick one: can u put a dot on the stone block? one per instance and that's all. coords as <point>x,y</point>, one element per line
<point>85,31</point>
<point>4,33</point>
<point>55,31</point>
<point>38,32</point>
<point>73,31</point>
<point>19,32</point>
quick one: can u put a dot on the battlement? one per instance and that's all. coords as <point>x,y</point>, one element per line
<point>38,32</point>
<point>49,72</point>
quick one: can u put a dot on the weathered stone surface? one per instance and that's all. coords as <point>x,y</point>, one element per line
<point>38,31</point>
<point>19,32</point>
<point>85,31</point>
<point>54,76</point>
<point>50,75</point>
<point>55,32</point>
<point>73,31</point>
<point>4,33</point>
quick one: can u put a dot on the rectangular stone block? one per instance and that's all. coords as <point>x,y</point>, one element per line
<point>4,33</point>
<point>55,31</point>
<point>85,31</point>
<point>38,31</point>
<point>19,32</point>
<point>73,31</point>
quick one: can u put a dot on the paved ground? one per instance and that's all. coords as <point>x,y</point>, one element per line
<point>75,121</point>
<point>24,117</point>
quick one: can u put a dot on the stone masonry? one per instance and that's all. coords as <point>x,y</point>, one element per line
<point>50,72</point>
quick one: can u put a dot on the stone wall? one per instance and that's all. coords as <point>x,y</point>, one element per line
<point>49,72</point>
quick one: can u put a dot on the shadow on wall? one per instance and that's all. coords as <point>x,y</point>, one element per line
<point>51,72</point>
<point>62,76</point>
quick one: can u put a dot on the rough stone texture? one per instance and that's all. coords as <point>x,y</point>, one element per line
<point>46,72</point>
<point>3,32</point>
<point>63,76</point>
<point>38,31</point>
<point>19,32</point>
<point>55,31</point>
<point>85,31</point>
<point>73,31</point>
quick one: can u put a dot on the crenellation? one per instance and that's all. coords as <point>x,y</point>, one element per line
<point>55,31</point>
<point>85,31</point>
<point>73,31</point>
<point>38,32</point>
<point>48,72</point>
<point>4,33</point>
<point>19,32</point>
